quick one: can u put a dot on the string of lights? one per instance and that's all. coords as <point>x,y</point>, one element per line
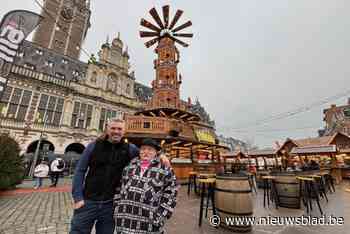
<point>287,114</point>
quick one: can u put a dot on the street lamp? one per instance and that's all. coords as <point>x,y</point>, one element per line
<point>36,154</point>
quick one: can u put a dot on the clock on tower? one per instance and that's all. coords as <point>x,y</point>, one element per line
<point>64,30</point>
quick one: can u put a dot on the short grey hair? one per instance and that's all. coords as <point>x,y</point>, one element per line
<point>115,120</point>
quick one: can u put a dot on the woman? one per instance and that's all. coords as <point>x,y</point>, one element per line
<point>40,172</point>
<point>148,193</point>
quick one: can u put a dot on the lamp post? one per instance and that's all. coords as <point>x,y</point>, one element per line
<point>36,154</point>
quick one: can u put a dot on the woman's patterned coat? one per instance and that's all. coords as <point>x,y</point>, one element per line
<point>147,200</point>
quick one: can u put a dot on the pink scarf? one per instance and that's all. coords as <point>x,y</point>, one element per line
<point>144,165</point>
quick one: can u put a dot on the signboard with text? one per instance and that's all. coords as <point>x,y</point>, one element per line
<point>14,28</point>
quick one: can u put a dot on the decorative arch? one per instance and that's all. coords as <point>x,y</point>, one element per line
<point>32,146</point>
<point>93,77</point>
<point>128,88</point>
<point>75,147</point>
<point>111,80</point>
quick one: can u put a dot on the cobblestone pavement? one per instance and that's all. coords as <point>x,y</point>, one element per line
<point>50,212</point>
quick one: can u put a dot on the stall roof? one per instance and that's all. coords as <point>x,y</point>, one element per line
<point>235,154</point>
<point>265,152</point>
<point>344,150</point>
<point>171,112</point>
<point>312,141</point>
<point>314,149</point>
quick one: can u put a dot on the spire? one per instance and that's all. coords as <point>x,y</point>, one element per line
<point>126,52</point>
<point>117,42</point>
<point>106,44</point>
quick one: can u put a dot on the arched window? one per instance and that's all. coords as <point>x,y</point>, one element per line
<point>128,88</point>
<point>93,77</point>
<point>112,78</point>
<point>117,85</point>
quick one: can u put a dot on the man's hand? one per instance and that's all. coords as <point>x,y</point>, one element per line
<point>164,160</point>
<point>78,204</point>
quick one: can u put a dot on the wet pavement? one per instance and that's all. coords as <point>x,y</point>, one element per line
<point>49,211</point>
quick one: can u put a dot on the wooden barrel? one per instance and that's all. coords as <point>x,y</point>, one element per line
<point>233,198</point>
<point>288,191</point>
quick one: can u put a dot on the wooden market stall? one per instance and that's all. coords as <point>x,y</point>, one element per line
<point>235,161</point>
<point>265,159</point>
<point>344,154</point>
<point>340,140</point>
<point>324,156</point>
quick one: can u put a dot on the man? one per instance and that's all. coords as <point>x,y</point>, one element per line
<point>147,186</point>
<point>57,167</point>
<point>97,177</point>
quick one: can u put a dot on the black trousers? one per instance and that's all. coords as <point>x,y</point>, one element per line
<point>55,175</point>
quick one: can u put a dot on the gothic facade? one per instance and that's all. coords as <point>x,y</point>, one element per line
<point>53,94</point>
<point>68,100</point>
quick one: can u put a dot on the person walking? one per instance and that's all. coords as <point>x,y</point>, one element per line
<point>97,180</point>
<point>57,167</point>
<point>40,172</point>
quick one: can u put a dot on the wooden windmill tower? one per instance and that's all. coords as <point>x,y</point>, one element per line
<point>166,86</point>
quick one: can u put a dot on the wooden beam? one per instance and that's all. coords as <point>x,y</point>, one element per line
<point>182,148</point>
<point>162,112</point>
<point>175,113</point>
<point>192,117</point>
<point>176,143</point>
<point>182,116</point>
<point>188,144</point>
<point>154,115</point>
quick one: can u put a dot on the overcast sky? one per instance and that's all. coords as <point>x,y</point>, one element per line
<point>248,60</point>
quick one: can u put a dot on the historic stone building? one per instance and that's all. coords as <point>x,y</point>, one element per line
<point>337,119</point>
<point>51,92</point>
<point>233,144</point>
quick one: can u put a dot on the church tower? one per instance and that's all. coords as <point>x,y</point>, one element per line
<point>64,27</point>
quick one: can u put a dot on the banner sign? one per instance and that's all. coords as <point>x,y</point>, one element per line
<point>14,28</point>
<point>204,136</point>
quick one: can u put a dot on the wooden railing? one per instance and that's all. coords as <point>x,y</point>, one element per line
<point>150,105</point>
<point>157,125</point>
<point>142,124</point>
<point>187,131</point>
